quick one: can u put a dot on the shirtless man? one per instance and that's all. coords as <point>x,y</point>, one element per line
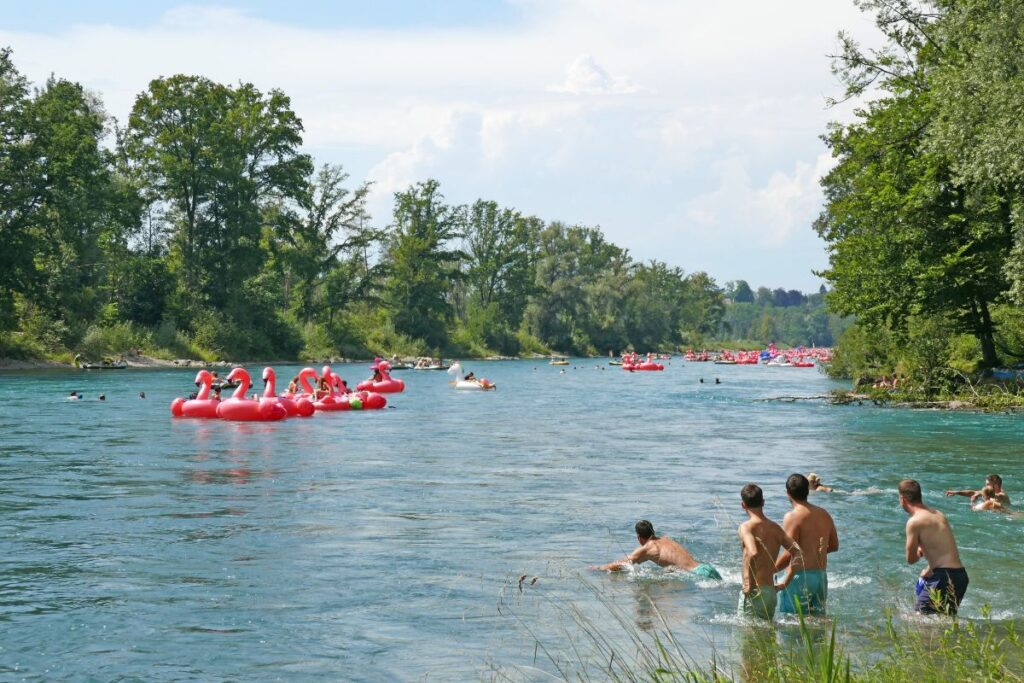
<point>988,501</point>
<point>993,480</point>
<point>662,551</point>
<point>814,531</point>
<point>761,539</point>
<point>942,584</point>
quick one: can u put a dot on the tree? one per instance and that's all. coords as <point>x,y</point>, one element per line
<point>421,267</point>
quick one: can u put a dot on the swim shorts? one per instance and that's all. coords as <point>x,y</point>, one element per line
<point>706,571</point>
<point>941,591</point>
<point>810,587</point>
<point>759,603</point>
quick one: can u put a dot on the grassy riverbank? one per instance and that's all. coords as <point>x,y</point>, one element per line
<point>930,650</point>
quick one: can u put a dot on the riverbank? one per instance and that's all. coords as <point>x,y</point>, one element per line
<point>145,362</point>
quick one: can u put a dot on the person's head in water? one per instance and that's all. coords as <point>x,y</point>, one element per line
<point>988,493</point>
<point>103,397</point>
<point>142,394</point>
<point>910,493</point>
<point>798,486</point>
<point>752,497</point>
<point>74,394</point>
<point>644,531</point>
<point>995,481</point>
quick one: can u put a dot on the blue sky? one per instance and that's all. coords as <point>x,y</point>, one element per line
<point>689,132</point>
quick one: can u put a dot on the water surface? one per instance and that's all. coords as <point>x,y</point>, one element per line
<point>388,545</point>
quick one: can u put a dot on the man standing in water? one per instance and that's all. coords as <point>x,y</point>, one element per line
<point>995,482</point>
<point>814,531</point>
<point>761,539</point>
<point>662,551</point>
<point>942,584</point>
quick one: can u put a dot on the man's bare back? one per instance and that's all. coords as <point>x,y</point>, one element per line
<point>661,550</point>
<point>814,531</point>
<point>761,539</point>
<point>930,536</point>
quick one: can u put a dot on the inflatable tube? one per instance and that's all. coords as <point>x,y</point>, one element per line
<point>200,406</point>
<point>470,385</point>
<point>386,384</point>
<point>645,366</point>
<point>243,409</point>
<point>300,407</point>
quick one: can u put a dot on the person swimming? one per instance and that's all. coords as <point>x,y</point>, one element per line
<point>662,551</point>
<point>815,483</point>
<point>74,396</point>
<point>989,501</point>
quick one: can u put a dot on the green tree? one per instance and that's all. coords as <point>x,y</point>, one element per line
<point>421,265</point>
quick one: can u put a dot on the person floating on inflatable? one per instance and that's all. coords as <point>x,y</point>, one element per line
<point>470,381</point>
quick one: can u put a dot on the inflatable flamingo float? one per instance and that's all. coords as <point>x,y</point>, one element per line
<point>238,407</point>
<point>386,384</point>
<point>300,406</point>
<point>357,400</point>
<point>200,406</point>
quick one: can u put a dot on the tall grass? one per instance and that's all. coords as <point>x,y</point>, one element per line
<point>610,646</point>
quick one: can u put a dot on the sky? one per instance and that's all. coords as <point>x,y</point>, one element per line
<point>689,132</point>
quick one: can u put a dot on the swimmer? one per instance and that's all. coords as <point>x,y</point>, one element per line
<point>718,381</point>
<point>941,586</point>
<point>74,396</point>
<point>662,551</point>
<point>142,394</point>
<point>103,397</point>
<point>815,482</point>
<point>988,501</point>
<point>761,540</point>
<point>812,528</point>
<point>993,480</point>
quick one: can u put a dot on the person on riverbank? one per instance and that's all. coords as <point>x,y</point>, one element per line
<point>806,578</point>
<point>941,587</point>
<point>761,539</point>
<point>995,482</point>
<point>662,551</point>
<point>815,484</point>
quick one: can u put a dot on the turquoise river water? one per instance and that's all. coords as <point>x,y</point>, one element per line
<point>388,545</point>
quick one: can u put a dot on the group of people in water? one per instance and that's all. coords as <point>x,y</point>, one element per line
<point>785,567</point>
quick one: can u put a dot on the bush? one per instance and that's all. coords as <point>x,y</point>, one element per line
<point>114,339</point>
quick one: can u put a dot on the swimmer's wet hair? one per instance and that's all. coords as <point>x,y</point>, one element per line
<point>644,529</point>
<point>752,496</point>
<point>995,479</point>
<point>910,490</point>
<point>798,486</point>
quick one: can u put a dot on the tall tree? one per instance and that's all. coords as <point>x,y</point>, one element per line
<point>422,265</point>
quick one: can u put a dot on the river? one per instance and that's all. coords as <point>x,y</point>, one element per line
<point>389,545</point>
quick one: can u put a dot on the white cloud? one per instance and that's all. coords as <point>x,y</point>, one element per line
<point>584,76</point>
<point>666,117</point>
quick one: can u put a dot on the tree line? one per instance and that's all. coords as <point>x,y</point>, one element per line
<point>924,218</point>
<point>199,228</point>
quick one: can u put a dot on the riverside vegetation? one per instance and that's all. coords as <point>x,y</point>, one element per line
<point>200,230</point>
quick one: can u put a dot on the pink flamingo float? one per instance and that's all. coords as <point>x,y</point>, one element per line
<point>386,384</point>
<point>200,406</point>
<point>238,407</point>
<point>357,400</point>
<point>301,406</point>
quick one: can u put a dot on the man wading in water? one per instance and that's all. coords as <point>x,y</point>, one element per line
<point>993,481</point>
<point>761,539</point>
<point>815,532</point>
<point>662,551</point>
<point>942,584</point>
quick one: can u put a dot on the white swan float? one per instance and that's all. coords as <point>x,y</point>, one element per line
<point>469,384</point>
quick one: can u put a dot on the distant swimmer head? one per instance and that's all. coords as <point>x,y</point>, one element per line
<point>798,486</point>
<point>752,496</point>
<point>644,530</point>
<point>142,394</point>
<point>103,397</point>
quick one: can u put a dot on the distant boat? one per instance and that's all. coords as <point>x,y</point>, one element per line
<point>558,360</point>
<point>113,365</point>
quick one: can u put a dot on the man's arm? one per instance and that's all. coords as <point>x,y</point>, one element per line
<point>964,492</point>
<point>791,527</point>
<point>792,548</point>
<point>638,556</point>
<point>833,540</point>
<point>914,552</point>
